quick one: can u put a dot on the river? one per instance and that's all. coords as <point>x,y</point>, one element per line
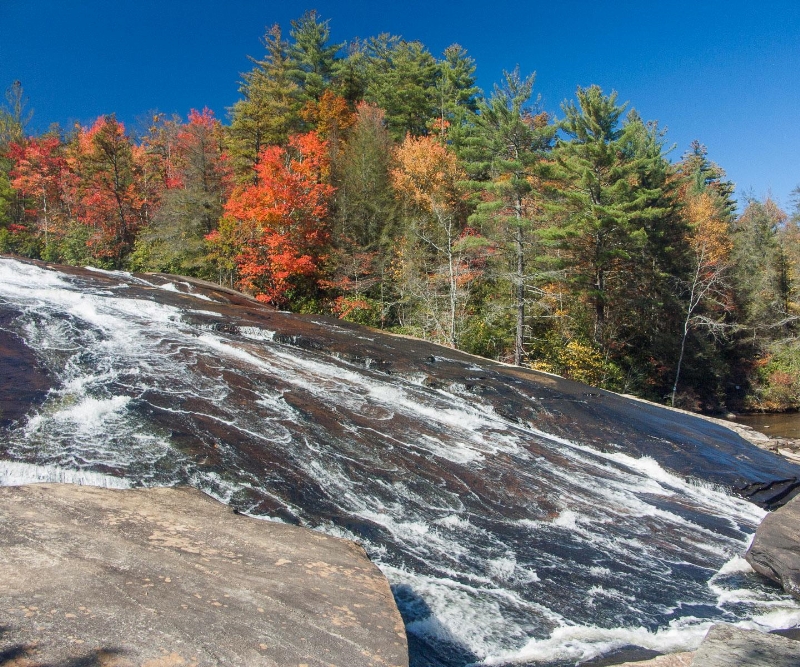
<point>781,425</point>
<point>520,518</point>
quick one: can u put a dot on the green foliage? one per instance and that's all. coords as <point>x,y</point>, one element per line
<point>311,60</point>
<point>269,110</point>
<point>760,265</point>
<point>488,335</point>
<point>511,143</point>
<point>75,249</point>
<point>13,115</point>
<point>579,360</point>
<point>365,206</point>
<point>611,193</point>
<point>400,77</point>
<point>778,381</point>
<point>19,242</point>
<point>190,207</point>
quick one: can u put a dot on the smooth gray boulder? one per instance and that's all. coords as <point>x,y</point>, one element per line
<point>728,646</point>
<point>163,577</point>
<point>775,551</point>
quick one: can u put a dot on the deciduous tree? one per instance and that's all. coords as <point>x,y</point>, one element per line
<point>278,225</point>
<point>107,195</point>
<point>428,177</point>
<point>197,186</point>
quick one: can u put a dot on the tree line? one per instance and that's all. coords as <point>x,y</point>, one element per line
<point>377,183</point>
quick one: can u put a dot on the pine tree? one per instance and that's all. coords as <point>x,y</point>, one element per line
<point>269,109</point>
<point>513,142</point>
<point>311,60</point>
<point>364,220</point>
<point>13,119</point>
<point>457,96</point>
<point>609,194</point>
<point>401,79</point>
<point>760,274</point>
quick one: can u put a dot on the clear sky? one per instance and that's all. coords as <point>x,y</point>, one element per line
<point>725,73</point>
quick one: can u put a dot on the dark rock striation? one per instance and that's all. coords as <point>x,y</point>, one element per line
<point>168,577</point>
<point>775,551</point>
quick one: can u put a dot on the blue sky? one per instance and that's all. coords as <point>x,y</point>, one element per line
<point>725,73</point>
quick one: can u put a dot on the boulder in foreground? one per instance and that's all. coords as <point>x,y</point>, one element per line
<point>728,646</point>
<point>775,551</point>
<point>163,577</point>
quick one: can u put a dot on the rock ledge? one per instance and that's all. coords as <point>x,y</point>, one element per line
<point>163,577</point>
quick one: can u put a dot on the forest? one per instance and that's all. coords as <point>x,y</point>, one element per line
<point>375,182</point>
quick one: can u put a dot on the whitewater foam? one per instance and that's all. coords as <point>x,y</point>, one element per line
<point>15,473</point>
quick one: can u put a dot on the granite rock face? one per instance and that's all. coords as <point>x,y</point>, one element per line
<point>775,551</point>
<point>163,577</point>
<point>729,646</point>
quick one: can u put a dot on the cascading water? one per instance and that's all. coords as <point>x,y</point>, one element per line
<point>506,538</point>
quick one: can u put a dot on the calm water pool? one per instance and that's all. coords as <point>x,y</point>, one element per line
<point>784,425</point>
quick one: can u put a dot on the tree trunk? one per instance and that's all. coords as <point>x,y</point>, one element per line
<point>519,350</point>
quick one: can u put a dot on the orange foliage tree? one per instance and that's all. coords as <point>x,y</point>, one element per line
<point>277,228</point>
<point>108,191</point>
<point>39,174</point>
<point>428,177</point>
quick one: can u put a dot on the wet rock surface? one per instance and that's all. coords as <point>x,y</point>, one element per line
<point>679,441</point>
<point>163,577</point>
<point>775,551</point>
<point>729,646</point>
<point>24,382</point>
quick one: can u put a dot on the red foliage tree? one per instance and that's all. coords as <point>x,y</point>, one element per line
<point>39,173</point>
<point>110,192</point>
<point>279,225</point>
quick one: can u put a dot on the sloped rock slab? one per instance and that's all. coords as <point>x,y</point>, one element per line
<point>775,551</point>
<point>163,577</point>
<point>729,646</point>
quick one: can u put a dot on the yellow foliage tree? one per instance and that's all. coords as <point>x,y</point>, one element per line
<point>708,294</point>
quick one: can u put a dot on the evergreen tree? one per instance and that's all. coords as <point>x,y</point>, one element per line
<point>311,60</point>
<point>760,274</point>
<point>13,119</point>
<point>457,96</point>
<point>702,175</point>
<point>268,111</point>
<point>349,72</point>
<point>191,205</point>
<point>610,189</point>
<point>401,79</point>
<point>514,141</point>
<point>364,219</point>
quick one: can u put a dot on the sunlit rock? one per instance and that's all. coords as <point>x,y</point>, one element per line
<point>168,577</point>
<point>775,551</point>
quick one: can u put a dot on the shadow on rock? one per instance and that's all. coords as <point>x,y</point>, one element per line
<point>426,648</point>
<point>10,655</point>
